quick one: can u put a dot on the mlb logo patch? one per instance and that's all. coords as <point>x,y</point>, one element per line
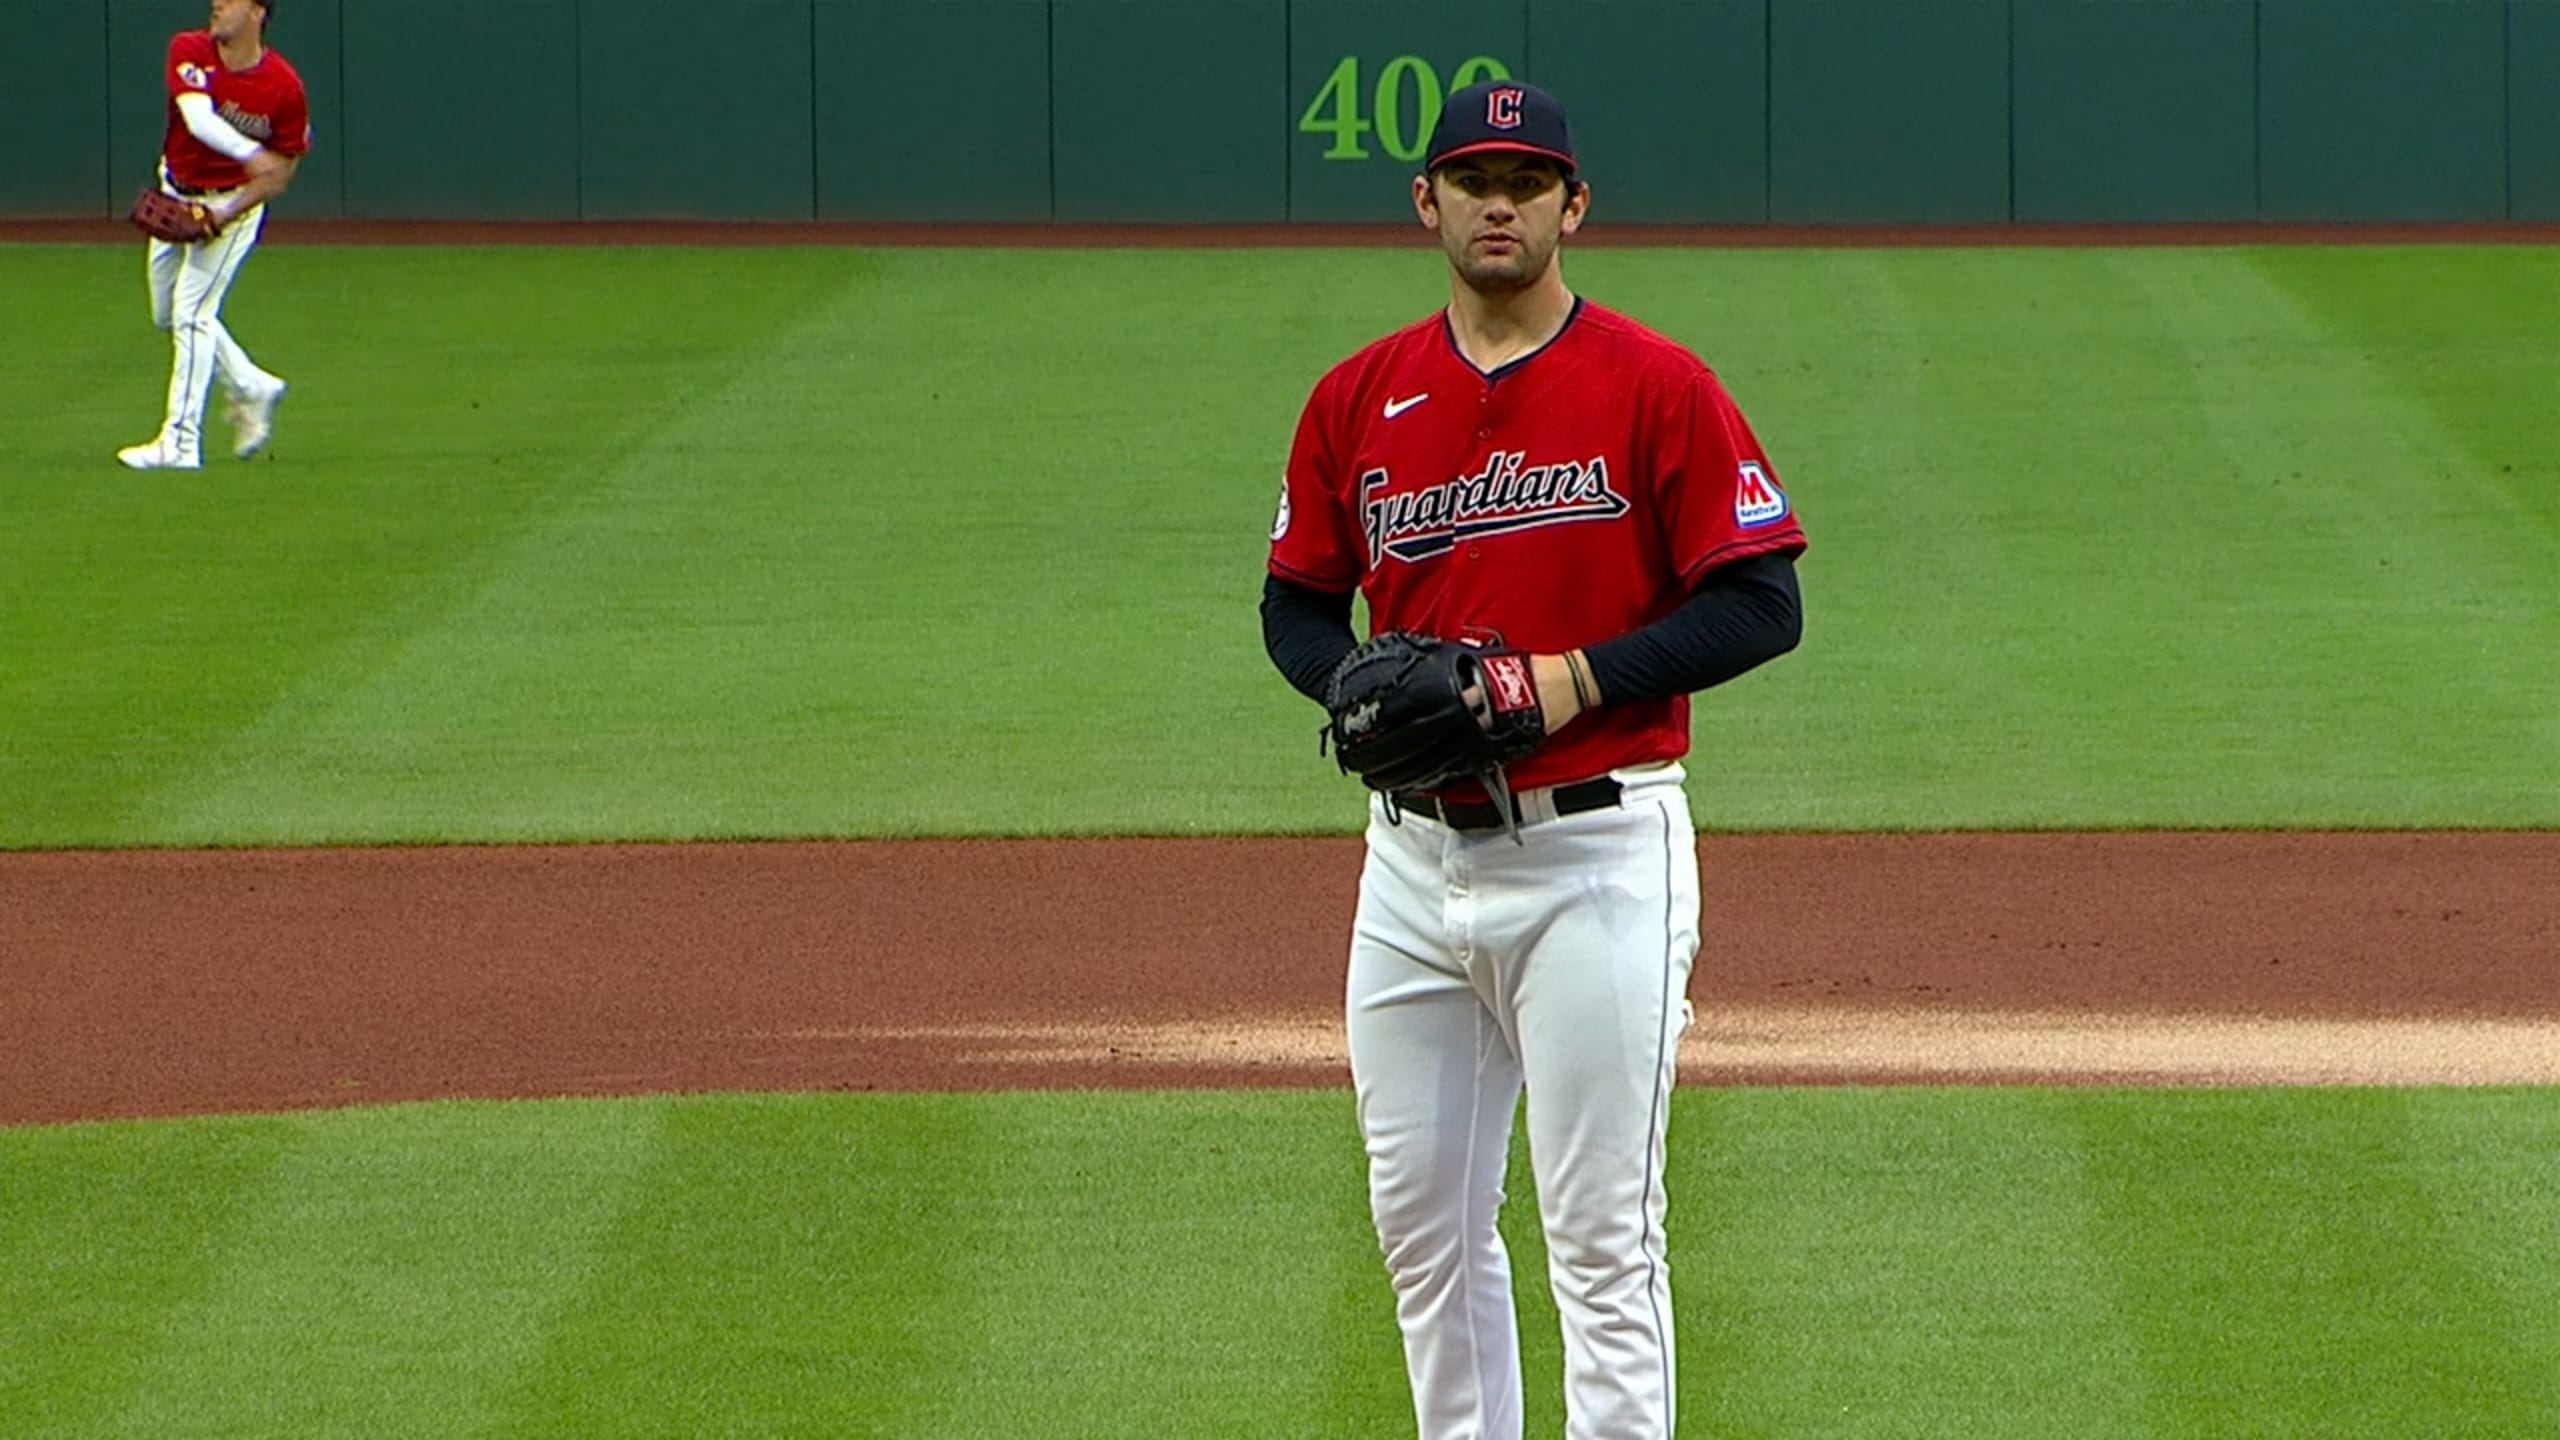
<point>1757,500</point>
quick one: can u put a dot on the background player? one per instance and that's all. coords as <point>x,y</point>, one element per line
<point>238,126</point>
<point>1529,468</point>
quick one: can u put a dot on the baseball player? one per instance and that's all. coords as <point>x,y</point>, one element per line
<point>238,126</point>
<point>1555,485</point>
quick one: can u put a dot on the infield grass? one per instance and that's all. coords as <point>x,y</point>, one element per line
<point>1919,1262</point>
<point>567,544</point>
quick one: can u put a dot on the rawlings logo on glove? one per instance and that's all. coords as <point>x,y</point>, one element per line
<point>1411,712</point>
<point>173,218</point>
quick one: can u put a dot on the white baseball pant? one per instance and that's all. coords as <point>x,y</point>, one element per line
<point>1559,965</point>
<point>187,283</point>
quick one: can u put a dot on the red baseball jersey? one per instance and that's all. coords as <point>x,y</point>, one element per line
<point>1569,497</point>
<point>264,102</point>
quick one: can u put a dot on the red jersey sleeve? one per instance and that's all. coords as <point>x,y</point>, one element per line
<point>1315,539</point>
<point>1717,488</point>
<point>191,64</point>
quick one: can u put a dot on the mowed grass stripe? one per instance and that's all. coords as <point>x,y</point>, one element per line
<point>1896,1262</point>
<point>1060,1265</point>
<point>777,1272</point>
<point>2473,335</point>
<point>2100,538</point>
<point>111,1238</point>
<point>2347,542</point>
<point>442,401</point>
<point>1968,438</point>
<point>2284,1261</point>
<point>902,551</point>
<point>2494,1183</point>
<point>390,1272</point>
<point>645,636</point>
<point>1221,1271</point>
<point>1836,361</point>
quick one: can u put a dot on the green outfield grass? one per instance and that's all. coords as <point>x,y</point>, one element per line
<point>1887,1264</point>
<point>561,544</point>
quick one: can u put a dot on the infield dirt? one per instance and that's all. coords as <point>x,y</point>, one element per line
<point>179,982</point>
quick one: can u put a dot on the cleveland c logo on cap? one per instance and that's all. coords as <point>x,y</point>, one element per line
<point>1502,109</point>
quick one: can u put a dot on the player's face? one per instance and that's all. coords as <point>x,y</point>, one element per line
<point>232,19</point>
<point>1500,217</point>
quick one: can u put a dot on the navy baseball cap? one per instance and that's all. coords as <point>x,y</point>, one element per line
<point>1500,115</point>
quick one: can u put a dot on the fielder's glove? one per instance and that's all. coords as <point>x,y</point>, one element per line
<point>173,217</point>
<point>1410,712</point>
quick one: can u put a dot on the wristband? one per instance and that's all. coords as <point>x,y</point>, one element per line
<point>1581,682</point>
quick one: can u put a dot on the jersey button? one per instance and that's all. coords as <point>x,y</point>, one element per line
<point>1484,432</point>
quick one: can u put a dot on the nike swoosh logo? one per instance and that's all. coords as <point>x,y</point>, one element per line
<point>1397,407</point>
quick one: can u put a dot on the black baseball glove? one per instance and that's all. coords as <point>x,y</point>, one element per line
<point>1410,712</point>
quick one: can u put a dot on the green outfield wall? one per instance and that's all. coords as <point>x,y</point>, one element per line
<point>1704,111</point>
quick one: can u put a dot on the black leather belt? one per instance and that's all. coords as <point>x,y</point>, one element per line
<point>1570,799</point>
<point>189,190</point>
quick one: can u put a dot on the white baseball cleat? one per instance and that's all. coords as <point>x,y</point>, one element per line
<point>253,418</point>
<point>152,456</point>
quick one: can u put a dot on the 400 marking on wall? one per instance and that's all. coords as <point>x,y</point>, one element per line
<point>1403,105</point>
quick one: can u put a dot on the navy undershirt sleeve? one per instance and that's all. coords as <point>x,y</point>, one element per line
<point>1306,632</point>
<point>1741,615</point>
